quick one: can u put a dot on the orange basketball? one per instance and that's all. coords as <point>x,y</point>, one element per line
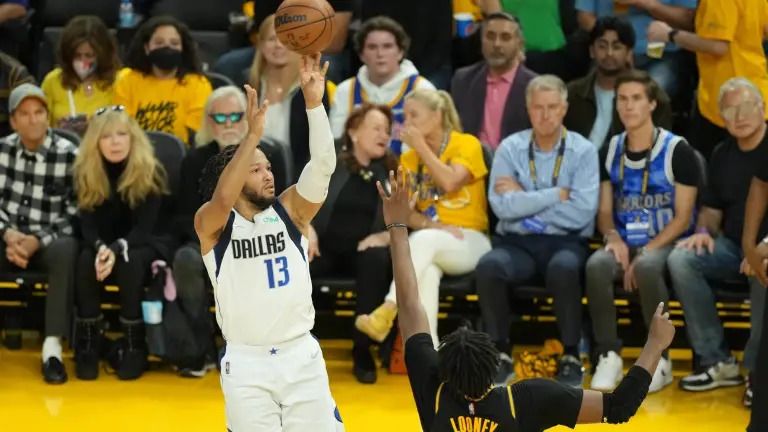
<point>304,26</point>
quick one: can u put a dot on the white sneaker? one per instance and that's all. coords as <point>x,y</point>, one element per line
<point>609,372</point>
<point>662,377</point>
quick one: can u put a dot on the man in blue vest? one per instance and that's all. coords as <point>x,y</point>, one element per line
<point>385,77</point>
<point>648,185</point>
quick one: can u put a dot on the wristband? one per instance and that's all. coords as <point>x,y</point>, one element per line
<point>396,225</point>
<point>702,230</point>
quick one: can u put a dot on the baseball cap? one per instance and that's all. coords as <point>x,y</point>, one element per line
<point>22,92</point>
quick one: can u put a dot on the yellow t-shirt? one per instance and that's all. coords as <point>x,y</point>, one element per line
<point>467,207</point>
<point>740,22</point>
<point>165,105</point>
<point>58,100</point>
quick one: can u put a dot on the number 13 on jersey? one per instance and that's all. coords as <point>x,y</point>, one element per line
<point>277,265</point>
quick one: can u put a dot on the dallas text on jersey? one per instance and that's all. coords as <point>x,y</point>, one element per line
<point>266,244</point>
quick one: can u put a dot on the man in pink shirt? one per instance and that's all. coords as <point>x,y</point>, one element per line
<point>490,94</point>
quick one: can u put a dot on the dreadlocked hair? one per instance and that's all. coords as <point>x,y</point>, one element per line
<point>468,362</point>
<point>213,169</point>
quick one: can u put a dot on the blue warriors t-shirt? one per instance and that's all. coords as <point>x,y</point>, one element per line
<point>658,201</point>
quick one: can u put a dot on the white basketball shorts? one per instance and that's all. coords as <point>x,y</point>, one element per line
<point>278,388</point>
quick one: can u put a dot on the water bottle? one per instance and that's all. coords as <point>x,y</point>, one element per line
<point>126,13</point>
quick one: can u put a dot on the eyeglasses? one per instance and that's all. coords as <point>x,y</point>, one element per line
<point>102,110</point>
<point>744,108</point>
<point>222,118</point>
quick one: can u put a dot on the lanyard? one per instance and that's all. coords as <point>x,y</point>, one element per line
<point>646,167</point>
<point>420,171</point>
<point>558,161</point>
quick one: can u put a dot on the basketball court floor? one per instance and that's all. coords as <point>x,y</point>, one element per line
<point>162,402</point>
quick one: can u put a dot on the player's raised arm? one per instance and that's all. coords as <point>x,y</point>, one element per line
<point>397,208</point>
<point>303,201</point>
<point>212,216</point>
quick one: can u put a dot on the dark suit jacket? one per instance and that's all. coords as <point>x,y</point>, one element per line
<point>468,91</point>
<point>582,109</point>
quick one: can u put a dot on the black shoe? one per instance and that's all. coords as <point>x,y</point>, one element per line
<point>54,371</point>
<point>364,367</point>
<point>506,370</point>
<point>134,359</point>
<point>570,371</point>
<point>88,344</point>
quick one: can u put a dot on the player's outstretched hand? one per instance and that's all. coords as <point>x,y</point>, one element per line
<point>312,79</point>
<point>255,114</point>
<point>662,330</point>
<point>397,203</point>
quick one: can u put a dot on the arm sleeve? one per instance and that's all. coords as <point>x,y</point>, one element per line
<point>316,175</point>
<point>470,156</point>
<point>580,209</point>
<point>541,404</point>
<point>144,220</point>
<point>762,174</point>
<point>685,167</point>
<point>516,205</point>
<point>63,224</point>
<point>422,363</point>
<point>89,227</point>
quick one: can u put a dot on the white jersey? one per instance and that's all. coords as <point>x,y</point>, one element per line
<point>260,275</point>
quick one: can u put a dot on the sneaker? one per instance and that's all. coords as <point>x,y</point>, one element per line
<point>662,377</point>
<point>609,372</point>
<point>570,371</point>
<point>506,372</point>
<point>723,374</point>
<point>378,323</point>
<point>747,400</point>
<point>196,373</point>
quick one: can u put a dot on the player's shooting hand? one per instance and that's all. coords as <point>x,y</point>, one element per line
<point>255,114</point>
<point>312,79</point>
<point>662,330</point>
<point>397,203</point>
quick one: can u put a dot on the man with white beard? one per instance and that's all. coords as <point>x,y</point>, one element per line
<point>223,125</point>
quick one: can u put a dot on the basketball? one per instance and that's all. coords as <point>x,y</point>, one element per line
<point>305,26</point>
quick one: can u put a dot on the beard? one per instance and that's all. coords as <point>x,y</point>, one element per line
<point>261,202</point>
<point>230,139</point>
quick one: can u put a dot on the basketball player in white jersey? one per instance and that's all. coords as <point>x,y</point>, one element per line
<point>254,246</point>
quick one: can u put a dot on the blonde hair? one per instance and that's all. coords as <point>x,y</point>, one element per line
<point>205,136</point>
<point>143,175</point>
<point>259,65</point>
<point>439,100</point>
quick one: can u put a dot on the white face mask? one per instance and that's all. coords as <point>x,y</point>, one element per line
<point>84,68</point>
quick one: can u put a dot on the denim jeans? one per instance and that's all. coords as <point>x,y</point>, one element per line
<point>690,275</point>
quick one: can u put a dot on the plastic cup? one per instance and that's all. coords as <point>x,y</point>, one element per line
<point>465,24</point>
<point>655,50</point>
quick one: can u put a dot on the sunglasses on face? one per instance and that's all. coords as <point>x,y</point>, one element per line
<point>221,119</point>
<point>102,110</point>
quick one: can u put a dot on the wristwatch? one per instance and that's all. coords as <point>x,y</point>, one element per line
<point>671,35</point>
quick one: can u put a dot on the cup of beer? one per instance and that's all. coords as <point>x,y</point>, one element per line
<point>620,8</point>
<point>655,50</point>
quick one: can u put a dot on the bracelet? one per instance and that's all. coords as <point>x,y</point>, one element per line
<point>396,225</point>
<point>702,230</point>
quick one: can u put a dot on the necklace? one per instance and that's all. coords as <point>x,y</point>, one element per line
<point>88,88</point>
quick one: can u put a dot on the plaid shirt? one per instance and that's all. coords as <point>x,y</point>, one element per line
<point>37,191</point>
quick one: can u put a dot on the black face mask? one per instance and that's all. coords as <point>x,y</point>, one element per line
<point>165,58</point>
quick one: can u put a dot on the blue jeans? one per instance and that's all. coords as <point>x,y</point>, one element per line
<point>690,275</point>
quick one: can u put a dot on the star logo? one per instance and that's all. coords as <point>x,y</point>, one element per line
<point>273,351</point>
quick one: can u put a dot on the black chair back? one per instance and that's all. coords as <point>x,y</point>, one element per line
<point>68,134</point>
<point>218,80</point>
<point>170,151</point>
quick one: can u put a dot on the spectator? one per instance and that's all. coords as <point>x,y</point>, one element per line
<point>591,106</point>
<point>451,217</point>
<point>429,25</point>
<point>12,28</point>
<point>163,87</point>
<point>222,126</point>
<point>275,74</point>
<point>12,9</point>
<point>119,187</point>
<point>648,183</point>
<point>489,93</point>
<point>12,75</point>
<point>36,213</point>
<point>84,80</point>
<point>678,13</point>
<point>543,188</point>
<point>356,242</point>
<point>728,42</point>
<point>236,63</point>
<point>713,253</point>
<point>385,78</point>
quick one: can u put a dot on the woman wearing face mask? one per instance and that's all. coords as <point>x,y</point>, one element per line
<point>119,186</point>
<point>163,87</point>
<point>348,236</point>
<point>450,220</point>
<point>275,74</point>
<point>87,55</point>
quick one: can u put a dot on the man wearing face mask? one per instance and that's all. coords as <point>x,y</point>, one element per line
<point>163,86</point>
<point>222,126</point>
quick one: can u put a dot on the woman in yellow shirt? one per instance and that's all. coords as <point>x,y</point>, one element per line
<point>163,86</point>
<point>83,82</point>
<point>450,221</point>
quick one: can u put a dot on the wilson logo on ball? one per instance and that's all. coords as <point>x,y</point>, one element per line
<point>289,19</point>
